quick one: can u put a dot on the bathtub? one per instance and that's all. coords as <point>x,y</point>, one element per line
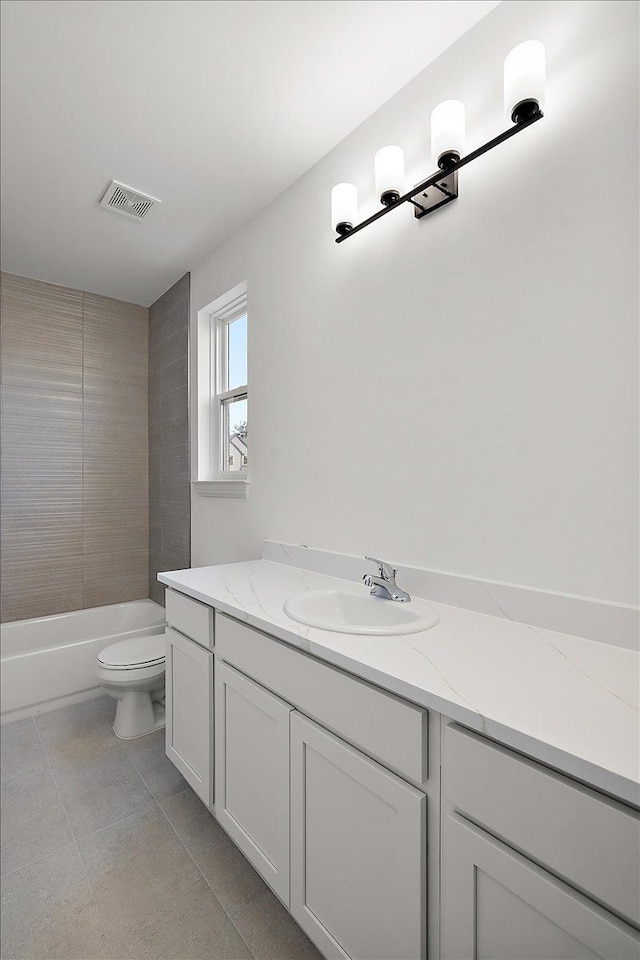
<point>49,661</point>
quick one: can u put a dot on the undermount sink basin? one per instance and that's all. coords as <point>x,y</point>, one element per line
<point>345,612</point>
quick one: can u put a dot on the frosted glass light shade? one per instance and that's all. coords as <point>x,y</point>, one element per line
<point>389,167</point>
<point>447,129</point>
<point>344,206</point>
<point>524,78</point>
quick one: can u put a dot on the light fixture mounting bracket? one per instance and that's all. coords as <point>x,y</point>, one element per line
<point>436,196</point>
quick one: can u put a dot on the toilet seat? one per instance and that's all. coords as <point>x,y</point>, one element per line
<point>134,653</point>
<point>129,677</point>
<point>132,671</point>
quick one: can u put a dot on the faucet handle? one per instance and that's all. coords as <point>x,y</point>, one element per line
<point>386,570</point>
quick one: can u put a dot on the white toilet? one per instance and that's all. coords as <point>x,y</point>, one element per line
<point>132,671</point>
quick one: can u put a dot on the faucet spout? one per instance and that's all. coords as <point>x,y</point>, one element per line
<point>384,585</point>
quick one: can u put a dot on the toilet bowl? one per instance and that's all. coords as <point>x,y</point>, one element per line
<point>132,671</point>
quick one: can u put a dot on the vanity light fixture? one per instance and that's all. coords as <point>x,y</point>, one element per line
<point>344,207</point>
<point>524,87</point>
<point>389,168</point>
<point>447,133</point>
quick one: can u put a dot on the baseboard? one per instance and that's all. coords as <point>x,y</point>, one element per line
<point>35,708</point>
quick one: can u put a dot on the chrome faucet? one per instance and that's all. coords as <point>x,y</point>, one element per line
<point>385,586</point>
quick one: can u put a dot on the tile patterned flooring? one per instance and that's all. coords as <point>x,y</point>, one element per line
<point>107,854</point>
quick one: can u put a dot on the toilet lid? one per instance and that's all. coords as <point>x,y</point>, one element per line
<point>134,652</point>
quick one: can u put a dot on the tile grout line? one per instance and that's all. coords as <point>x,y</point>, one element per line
<point>73,836</point>
<point>85,836</point>
<point>9,873</point>
<point>226,913</point>
<point>122,820</point>
<point>179,838</point>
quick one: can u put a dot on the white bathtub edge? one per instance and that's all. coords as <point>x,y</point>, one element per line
<point>48,674</point>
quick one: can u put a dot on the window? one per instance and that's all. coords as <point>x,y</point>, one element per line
<point>230,415</point>
<point>222,410</point>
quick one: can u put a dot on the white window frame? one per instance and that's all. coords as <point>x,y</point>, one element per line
<point>220,399</point>
<point>211,479</point>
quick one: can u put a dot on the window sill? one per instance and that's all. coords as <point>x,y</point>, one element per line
<point>236,489</point>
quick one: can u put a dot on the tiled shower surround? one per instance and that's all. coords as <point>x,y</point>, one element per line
<point>74,507</point>
<point>95,446</point>
<point>169,488</point>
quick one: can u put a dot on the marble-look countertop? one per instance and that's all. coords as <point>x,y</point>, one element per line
<point>566,701</point>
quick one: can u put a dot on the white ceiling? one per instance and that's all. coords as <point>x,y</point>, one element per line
<point>213,107</point>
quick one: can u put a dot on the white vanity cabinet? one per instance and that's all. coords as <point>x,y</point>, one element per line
<point>355,877</point>
<point>533,863</point>
<point>389,832</point>
<point>189,691</point>
<point>252,773</point>
<point>358,851</point>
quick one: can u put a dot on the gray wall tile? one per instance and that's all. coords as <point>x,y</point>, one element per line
<point>48,532</point>
<point>116,501</point>
<point>24,436</point>
<point>41,322</point>
<point>74,500</point>
<point>114,577</point>
<point>173,403</point>
<point>115,332</point>
<point>173,375</point>
<point>176,540</point>
<point>169,467</point>
<point>95,421</point>
<point>38,588</point>
<point>41,448</point>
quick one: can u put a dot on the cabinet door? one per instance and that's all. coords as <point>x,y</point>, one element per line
<point>189,712</point>
<point>496,905</point>
<point>358,851</point>
<point>252,773</point>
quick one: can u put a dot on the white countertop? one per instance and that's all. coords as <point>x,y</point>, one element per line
<point>569,702</point>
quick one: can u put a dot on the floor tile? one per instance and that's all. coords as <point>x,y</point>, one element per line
<point>203,931</point>
<point>106,705</point>
<point>19,742</point>
<point>151,892</point>
<point>34,823</point>
<point>101,790</point>
<point>48,912</point>
<point>75,733</point>
<point>271,933</point>
<point>147,754</point>
<point>21,754</point>
<point>164,880</point>
<point>228,873</point>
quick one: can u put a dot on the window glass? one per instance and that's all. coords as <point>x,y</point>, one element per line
<point>237,353</point>
<point>234,435</point>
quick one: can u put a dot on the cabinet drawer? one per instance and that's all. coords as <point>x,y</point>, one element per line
<point>588,840</point>
<point>190,617</point>
<point>383,726</point>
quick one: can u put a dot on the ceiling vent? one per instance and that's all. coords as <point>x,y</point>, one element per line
<point>127,201</point>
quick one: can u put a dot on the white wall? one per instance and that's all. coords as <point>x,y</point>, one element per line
<point>495,340</point>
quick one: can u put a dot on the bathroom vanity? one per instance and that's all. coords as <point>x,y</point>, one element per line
<point>428,795</point>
